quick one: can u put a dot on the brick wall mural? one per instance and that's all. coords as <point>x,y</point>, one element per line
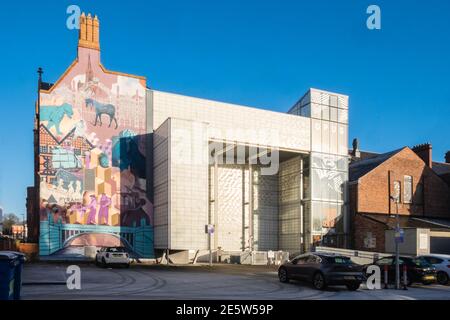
<point>92,157</point>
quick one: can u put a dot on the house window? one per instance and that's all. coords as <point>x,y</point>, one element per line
<point>397,191</point>
<point>407,195</point>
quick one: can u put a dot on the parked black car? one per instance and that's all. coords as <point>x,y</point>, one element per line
<point>418,269</point>
<point>322,270</point>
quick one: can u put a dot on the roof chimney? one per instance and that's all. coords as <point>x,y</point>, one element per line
<point>424,151</point>
<point>89,36</point>
<point>447,157</point>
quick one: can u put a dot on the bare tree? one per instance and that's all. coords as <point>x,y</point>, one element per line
<point>8,221</point>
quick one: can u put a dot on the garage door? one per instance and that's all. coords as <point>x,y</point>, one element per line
<point>440,245</point>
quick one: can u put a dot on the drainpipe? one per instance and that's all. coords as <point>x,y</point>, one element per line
<point>302,235</point>
<point>250,208</point>
<point>216,199</point>
<point>37,142</point>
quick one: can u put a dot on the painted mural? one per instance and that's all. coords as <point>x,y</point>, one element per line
<point>92,161</point>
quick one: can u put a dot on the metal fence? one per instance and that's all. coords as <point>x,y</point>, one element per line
<point>8,244</point>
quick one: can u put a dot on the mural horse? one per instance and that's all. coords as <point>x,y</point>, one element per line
<point>101,109</point>
<point>55,114</point>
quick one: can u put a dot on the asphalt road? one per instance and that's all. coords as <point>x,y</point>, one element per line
<point>234,282</point>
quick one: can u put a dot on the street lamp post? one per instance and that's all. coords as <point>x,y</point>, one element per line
<point>23,231</point>
<point>37,179</point>
<point>397,251</point>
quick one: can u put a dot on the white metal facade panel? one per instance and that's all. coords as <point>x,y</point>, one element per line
<point>235,123</point>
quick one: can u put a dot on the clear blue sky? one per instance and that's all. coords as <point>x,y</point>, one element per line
<point>257,53</point>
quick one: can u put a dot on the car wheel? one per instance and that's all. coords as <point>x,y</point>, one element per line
<point>353,286</point>
<point>283,276</point>
<point>319,281</point>
<point>104,263</point>
<point>442,278</point>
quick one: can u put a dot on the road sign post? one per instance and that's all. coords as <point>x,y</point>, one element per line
<point>405,277</point>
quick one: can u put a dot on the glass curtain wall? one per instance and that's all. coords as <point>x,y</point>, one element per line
<point>326,205</point>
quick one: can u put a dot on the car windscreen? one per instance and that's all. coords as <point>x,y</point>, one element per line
<point>421,262</point>
<point>116,250</point>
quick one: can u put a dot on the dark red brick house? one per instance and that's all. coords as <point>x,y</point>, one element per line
<point>443,168</point>
<point>408,173</point>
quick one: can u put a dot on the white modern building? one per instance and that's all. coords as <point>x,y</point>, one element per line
<point>264,180</point>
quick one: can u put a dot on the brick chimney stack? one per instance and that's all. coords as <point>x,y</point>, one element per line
<point>355,151</point>
<point>89,35</point>
<point>424,151</point>
<point>447,157</point>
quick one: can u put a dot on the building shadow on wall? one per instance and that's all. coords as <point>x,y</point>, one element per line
<point>135,195</point>
<point>334,238</point>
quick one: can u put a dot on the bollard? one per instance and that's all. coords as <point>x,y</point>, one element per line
<point>386,268</point>
<point>405,277</point>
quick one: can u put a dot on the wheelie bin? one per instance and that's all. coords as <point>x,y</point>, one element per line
<point>11,265</point>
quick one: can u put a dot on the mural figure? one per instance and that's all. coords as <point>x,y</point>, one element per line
<point>71,190</point>
<point>92,209</point>
<point>101,109</point>
<point>78,190</point>
<point>103,213</point>
<point>55,114</point>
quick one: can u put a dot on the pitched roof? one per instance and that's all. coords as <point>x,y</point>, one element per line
<point>46,85</point>
<point>45,130</point>
<point>363,155</point>
<point>441,168</point>
<point>360,168</point>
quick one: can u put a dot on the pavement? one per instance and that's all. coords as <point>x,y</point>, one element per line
<point>195,282</point>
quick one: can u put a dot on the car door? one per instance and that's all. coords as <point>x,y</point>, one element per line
<point>290,266</point>
<point>298,267</point>
<point>311,265</point>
